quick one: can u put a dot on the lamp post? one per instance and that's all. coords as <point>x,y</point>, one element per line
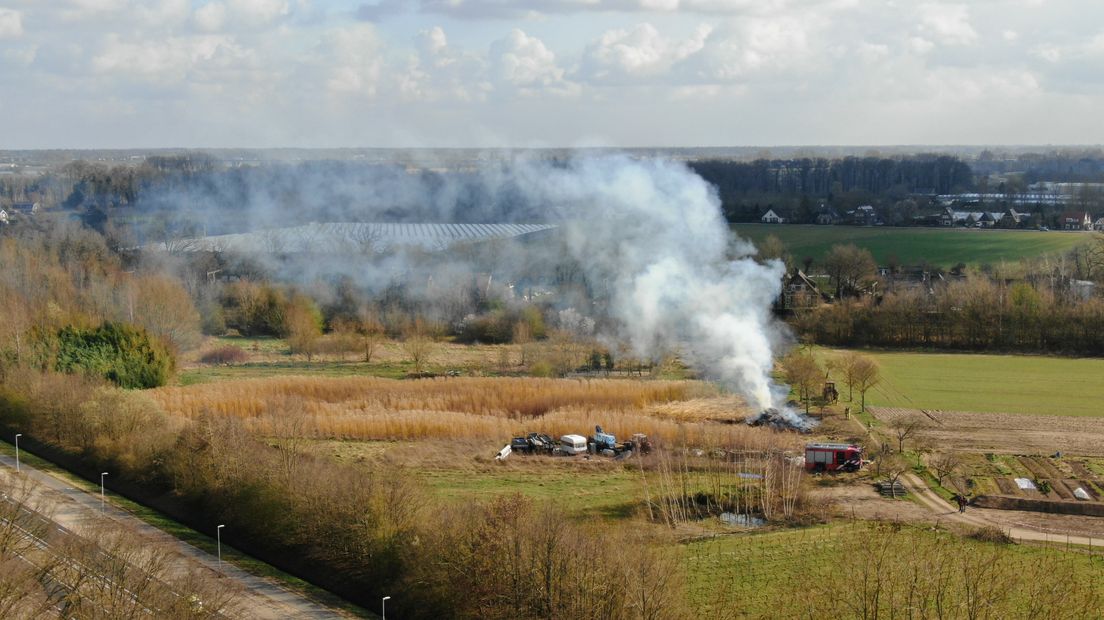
<point>102,476</point>
<point>218,534</point>
<point>383,614</point>
<point>17,436</point>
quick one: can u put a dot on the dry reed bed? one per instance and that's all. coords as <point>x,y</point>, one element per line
<point>510,397</point>
<point>411,425</point>
<point>491,409</point>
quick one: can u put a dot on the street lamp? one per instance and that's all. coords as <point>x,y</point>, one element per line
<point>17,436</point>
<point>102,476</point>
<point>383,615</point>
<point>218,534</point>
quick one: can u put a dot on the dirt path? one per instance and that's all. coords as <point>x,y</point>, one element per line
<point>262,598</point>
<point>976,518</point>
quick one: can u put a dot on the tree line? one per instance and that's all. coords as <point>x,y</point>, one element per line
<point>746,189</point>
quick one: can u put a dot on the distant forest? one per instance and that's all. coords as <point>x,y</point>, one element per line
<point>747,189</point>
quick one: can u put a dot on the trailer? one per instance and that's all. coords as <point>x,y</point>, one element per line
<point>833,457</point>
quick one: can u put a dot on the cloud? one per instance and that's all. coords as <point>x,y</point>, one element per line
<point>519,9</point>
<point>639,52</point>
<point>354,57</point>
<point>948,24</point>
<point>11,24</point>
<point>524,63</point>
<point>210,17</point>
<point>167,61</point>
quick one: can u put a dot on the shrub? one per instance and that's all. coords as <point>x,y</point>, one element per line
<point>124,354</point>
<point>227,355</point>
<point>991,534</point>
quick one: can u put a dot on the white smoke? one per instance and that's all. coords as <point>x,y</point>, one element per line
<point>653,231</point>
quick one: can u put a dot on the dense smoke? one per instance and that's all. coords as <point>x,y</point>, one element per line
<point>653,231</point>
<point>660,265</point>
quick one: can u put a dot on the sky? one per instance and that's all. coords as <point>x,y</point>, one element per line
<point>549,73</point>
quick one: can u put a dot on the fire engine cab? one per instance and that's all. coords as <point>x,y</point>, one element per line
<point>832,457</point>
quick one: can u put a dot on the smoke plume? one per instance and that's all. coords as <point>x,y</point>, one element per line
<point>653,231</point>
<point>648,235</point>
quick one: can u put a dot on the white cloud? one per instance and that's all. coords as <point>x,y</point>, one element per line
<point>255,13</point>
<point>525,63</point>
<point>354,57</point>
<point>920,45</point>
<point>639,52</point>
<point>948,24</point>
<point>167,61</point>
<point>11,24</point>
<point>687,71</point>
<point>211,17</point>
<point>755,48</point>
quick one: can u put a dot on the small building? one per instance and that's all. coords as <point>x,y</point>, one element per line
<point>865,216</point>
<point>990,219</point>
<point>3,216</point>
<point>800,292</point>
<point>770,217</point>
<point>1014,219</point>
<point>1098,225</point>
<point>1075,220</point>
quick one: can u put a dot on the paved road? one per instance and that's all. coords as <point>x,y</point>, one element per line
<point>262,598</point>
<point>947,512</point>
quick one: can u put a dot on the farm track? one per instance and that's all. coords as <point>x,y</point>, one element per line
<point>262,599</point>
<point>972,518</point>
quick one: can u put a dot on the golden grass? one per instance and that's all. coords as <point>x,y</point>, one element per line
<point>371,408</point>
<point>509,397</point>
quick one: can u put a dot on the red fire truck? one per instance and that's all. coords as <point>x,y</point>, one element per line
<point>833,457</point>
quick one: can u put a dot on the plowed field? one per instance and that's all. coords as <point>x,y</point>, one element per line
<point>1005,433</point>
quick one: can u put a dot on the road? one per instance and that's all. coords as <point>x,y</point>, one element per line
<point>262,598</point>
<point>946,512</point>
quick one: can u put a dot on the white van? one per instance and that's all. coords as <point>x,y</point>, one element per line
<point>573,444</point>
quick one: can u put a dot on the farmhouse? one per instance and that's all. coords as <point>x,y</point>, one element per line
<point>1014,219</point>
<point>770,217</point>
<point>800,292</point>
<point>1075,220</point>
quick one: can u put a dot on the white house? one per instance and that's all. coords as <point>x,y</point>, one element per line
<point>3,216</point>
<point>770,217</point>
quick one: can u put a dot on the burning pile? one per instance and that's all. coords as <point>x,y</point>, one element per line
<point>783,419</point>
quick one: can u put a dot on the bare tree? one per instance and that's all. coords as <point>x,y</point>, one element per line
<point>845,363</point>
<point>848,265</point>
<point>371,332</point>
<point>303,323</point>
<point>418,345</point>
<point>802,371</point>
<point>944,464</point>
<point>904,428</point>
<point>892,467</point>
<point>867,374</point>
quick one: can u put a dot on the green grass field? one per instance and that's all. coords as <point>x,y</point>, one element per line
<point>759,575</point>
<point>996,383</point>
<point>938,246</point>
